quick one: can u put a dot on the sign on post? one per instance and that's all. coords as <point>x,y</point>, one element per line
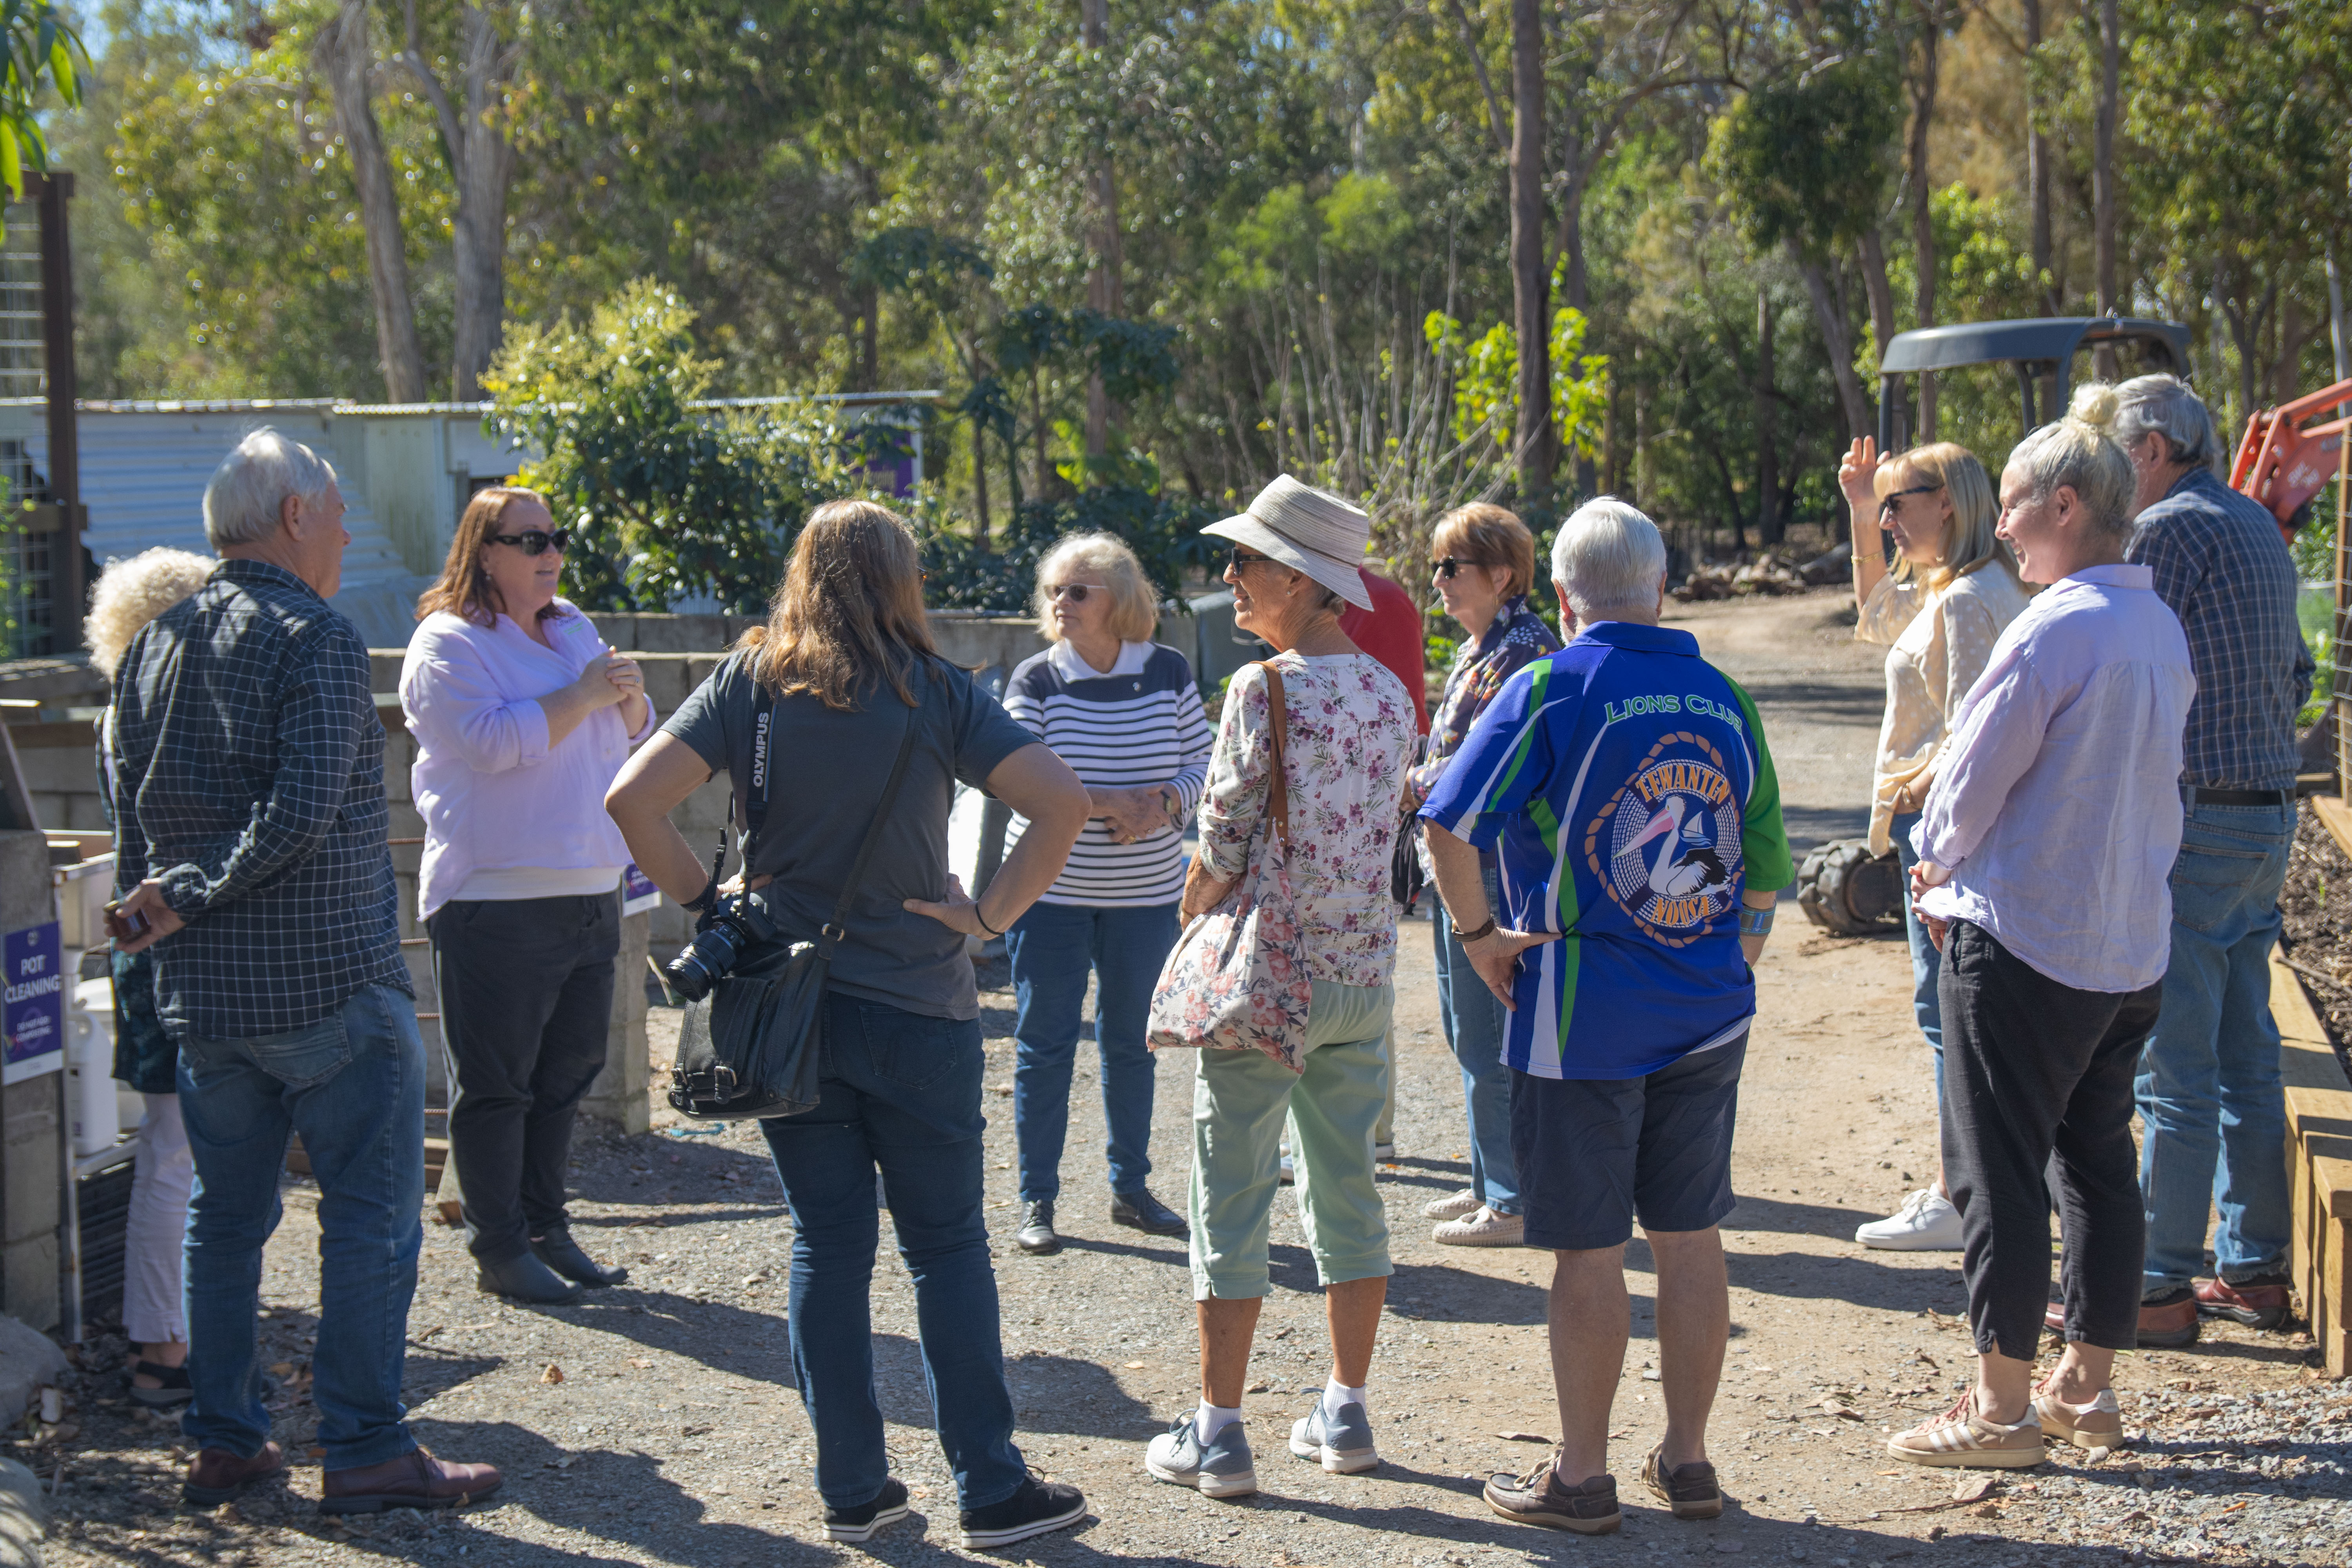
<point>35,1011</point>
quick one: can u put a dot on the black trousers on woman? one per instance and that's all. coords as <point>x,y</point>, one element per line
<point>2037,1104</point>
<point>525,990</point>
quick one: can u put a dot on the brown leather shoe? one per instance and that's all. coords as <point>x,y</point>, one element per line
<point>2169,1323</point>
<point>2054,1318</point>
<point>2259,1304</point>
<point>215,1475</point>
<point>415,1480</point>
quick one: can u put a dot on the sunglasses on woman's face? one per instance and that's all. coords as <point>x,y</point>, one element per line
<point>537,542</point>
<point>1075,591</point>
<point>1893,503</point>
<point>1448,565</point>
<point>1241,560</point>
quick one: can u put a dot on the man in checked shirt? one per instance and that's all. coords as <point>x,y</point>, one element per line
<point>250,855</point>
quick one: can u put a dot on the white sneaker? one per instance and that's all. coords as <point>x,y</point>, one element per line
<point>1483,1227</point>
<point>1925,1222</point>
<point>1383,1154</point>
<point>1455,1207</point>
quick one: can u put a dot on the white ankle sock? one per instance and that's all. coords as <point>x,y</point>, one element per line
<point>1208,1420</point>
<point>1336,1394</point>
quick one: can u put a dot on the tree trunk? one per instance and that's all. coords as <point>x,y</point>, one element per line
<point>1837,338</point>
<point>1530,287</point>
<point>1768,451</point>
<point>2102,174</point>
<point>1923,217</point>
<point>482,161</point>
<point>1103,284</point>
<point>346,59</point>
<point>1871,256</point>
<point>2037,165</point>
<point>1575,282</point>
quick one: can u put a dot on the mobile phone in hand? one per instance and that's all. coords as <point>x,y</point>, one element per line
<point>123,927</point>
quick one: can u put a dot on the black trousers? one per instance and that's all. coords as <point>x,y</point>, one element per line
<point>2038,1103</point>
<point>525,989</point>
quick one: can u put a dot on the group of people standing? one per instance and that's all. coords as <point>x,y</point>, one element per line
<point>1600,819</point>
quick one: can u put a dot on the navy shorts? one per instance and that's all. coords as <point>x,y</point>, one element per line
<point>1594,1153</point>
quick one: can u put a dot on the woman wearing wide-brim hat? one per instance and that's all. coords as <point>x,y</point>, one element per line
<point>1349,733</point>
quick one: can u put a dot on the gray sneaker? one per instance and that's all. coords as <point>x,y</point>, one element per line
<point>1224,1469</point>
<point>1344,1446</point>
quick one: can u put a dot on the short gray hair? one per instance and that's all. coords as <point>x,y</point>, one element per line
<point>247,495</point>
<point>2164,406</point>
<point>1608,557</point>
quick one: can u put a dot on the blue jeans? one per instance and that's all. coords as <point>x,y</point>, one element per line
<point>899,1092</point>
<point>353,1085</point>
<point>1053,948</point>
<point>2213,1109</point>
<point>1475,1027</point>
<point>1925,962</point>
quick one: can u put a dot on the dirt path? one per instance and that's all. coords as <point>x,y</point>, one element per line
<point>674,1436</point>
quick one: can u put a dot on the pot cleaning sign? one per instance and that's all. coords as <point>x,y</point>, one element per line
<point>35,1014</point>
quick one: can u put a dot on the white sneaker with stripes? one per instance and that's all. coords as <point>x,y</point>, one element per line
<point>1962,1437</point>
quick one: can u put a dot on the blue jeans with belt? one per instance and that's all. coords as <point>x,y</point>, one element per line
<point>899,1093</point>
<point>2211,1100</point>
<point>1053,949</point>
<point>1475,1025</point>
<point>1926,964</point>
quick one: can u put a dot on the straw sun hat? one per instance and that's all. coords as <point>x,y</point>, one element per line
<point>1307,532</point>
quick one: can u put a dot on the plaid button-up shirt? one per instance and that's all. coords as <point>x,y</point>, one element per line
<point>250,780</point>
<point>2221,565</point>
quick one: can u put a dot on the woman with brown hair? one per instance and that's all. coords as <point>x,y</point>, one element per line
<point>522,715</point>
<point>845,673</point>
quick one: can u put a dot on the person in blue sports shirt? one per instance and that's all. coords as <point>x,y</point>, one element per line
<point>1624,784</point>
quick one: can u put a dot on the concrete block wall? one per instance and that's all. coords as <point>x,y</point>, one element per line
<point>31,1196</point>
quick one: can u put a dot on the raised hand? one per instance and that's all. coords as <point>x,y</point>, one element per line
<point>1855,471</point>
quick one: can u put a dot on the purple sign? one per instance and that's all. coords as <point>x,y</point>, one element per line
<point>36,1016</point>
<point>637,891</point>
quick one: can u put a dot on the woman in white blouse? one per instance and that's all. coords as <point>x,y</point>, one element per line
<point>522,717</point>
<point>1953,589</point>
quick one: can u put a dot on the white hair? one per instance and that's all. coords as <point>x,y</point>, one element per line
<point>246,499</point>
<point>1607,558</point>
<point>2163,406</point>
<point>133,591</point>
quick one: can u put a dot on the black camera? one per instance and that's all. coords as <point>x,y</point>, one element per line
<point>736,924</point>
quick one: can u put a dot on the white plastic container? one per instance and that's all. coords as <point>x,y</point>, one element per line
<point>90,1089</point>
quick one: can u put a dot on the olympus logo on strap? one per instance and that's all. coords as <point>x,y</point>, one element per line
<point>759,753</point>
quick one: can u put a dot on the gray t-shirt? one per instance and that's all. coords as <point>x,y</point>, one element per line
<point>830,770</point>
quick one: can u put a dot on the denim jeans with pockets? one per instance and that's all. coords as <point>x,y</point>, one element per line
<point>1475,1027</point>
<point>2210,1101</point>
<point>899,1093</point>
<point>352,1085</point>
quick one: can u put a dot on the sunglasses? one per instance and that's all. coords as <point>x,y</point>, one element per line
<point>1893,502</point>
<point>1240,561</point>
<point>1448,565</point>
<point>1075,591</point>
<point>537,542</point>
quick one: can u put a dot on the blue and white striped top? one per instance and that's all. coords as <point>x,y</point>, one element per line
<point>1138,726</point>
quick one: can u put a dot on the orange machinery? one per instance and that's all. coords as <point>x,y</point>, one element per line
<point>2283,461</point>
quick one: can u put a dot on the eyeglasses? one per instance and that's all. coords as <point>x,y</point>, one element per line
<point>1238,561</point>
<point>1448,565</point>
<point>1075,591</point>
<point>535,542</point>
<point>1892,502</point>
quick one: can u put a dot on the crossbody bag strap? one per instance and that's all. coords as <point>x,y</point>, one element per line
<point>1277,718</point>
<point>837,927</point>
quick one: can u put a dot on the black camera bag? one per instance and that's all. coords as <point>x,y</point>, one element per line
<point>750,1050</point>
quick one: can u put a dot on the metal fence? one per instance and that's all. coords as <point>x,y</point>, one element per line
<point>25,552</point>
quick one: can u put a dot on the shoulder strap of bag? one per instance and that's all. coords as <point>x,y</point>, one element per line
<point>1278,716</point>
<point>837,927</point>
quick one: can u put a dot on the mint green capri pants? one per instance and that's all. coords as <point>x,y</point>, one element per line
<point>1239,1102</point>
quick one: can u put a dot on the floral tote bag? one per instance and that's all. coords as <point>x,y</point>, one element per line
<point>1237,979</point>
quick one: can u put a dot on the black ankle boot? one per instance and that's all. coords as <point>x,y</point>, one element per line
<point>525,1278</point>
<point>560,1253</point>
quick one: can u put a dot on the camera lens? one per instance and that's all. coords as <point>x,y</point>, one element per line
<point>705,961</point>
<point>687,978</point>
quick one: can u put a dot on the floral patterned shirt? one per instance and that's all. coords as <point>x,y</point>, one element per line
<point>1516,638</point>
<point>1351,734</point>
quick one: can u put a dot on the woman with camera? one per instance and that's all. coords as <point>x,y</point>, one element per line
<point>522,715</point>
<point>845,671</point>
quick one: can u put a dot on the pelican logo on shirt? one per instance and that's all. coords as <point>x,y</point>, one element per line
<point>1665,845</point>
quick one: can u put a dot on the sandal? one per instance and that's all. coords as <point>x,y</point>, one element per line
<point>177,1389</point>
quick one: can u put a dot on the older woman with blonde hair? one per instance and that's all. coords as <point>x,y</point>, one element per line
<point>128,595</point>
<point>1952,590</point>
<point>1125,713</point>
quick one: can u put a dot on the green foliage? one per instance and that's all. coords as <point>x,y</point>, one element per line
<point>1806,157</point>
<point>41,51</point>
<point>1486,380</point>
<point>669,501</point>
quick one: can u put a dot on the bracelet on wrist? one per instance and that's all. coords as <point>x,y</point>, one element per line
<point>1483,931</point>
<point>983,920</point>
<point>1756,922</point>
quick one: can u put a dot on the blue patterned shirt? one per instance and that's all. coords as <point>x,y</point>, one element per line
<point>250,780</point>
<point>2221,565</point>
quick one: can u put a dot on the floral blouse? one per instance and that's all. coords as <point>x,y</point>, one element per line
<point>1516,638</point>
<point>1352,731</point>
<point>1937,643</point>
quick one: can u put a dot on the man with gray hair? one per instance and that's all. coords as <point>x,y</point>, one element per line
<point>250,856</point>
<point>2209,1089</point>
<point>1625,788</point>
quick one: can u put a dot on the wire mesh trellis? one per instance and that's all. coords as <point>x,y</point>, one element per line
<point>25,552</point>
